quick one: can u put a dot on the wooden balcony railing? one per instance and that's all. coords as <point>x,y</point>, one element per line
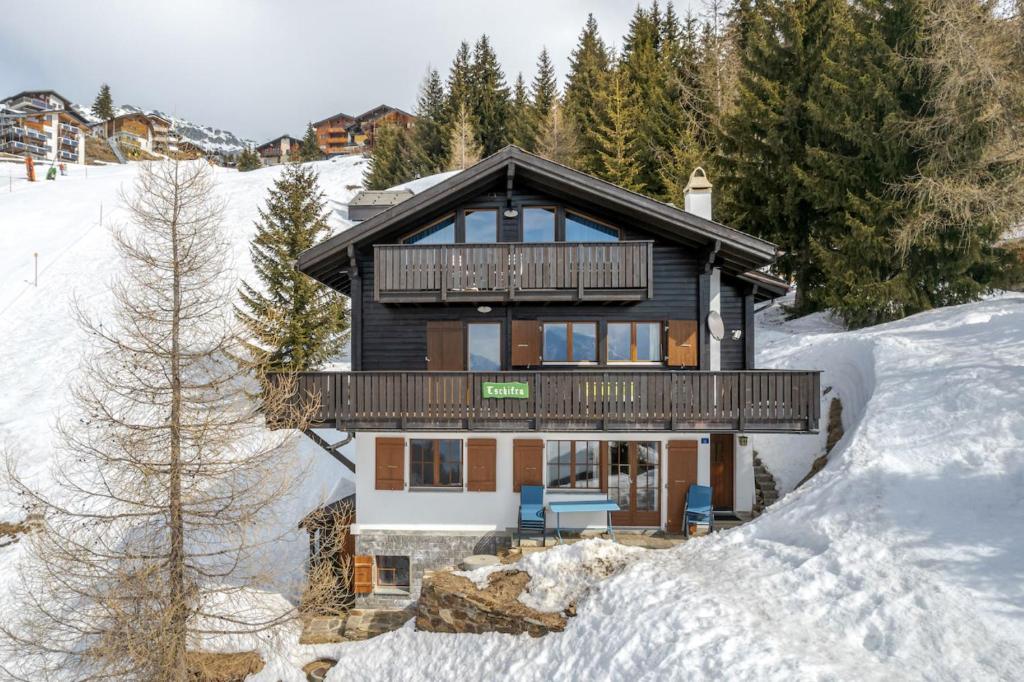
<point>756,401</point>
<point>412,273</point>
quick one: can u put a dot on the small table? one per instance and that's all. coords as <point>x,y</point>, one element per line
<point>569,506</point>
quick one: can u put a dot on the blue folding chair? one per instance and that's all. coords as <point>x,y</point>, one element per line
<point>532,516</point>
<point>698,508</point>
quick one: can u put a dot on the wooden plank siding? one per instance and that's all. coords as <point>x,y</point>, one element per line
<point>765,401</point>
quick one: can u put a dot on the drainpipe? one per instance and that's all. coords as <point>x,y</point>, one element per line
<point>332,449</point>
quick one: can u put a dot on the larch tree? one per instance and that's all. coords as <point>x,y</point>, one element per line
<point>103,105</point>
<point>589,67</point>
<point>430,134</point>
<point>557,140</point>
<point>309,148</point>
<point>294,323</point>
<point>154,536</point>
<point>464,150</point>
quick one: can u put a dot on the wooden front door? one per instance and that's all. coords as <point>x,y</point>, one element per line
<point>446,346</point>
<point>634,482</point>
<point>723,471</point>
<point>681,474</point>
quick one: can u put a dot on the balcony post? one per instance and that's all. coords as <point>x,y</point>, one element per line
<point>579,272</point>
<point>444,273</point>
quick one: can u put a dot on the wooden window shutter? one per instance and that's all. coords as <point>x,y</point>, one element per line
<point>526,343</point>
<point>527,463</point>
<point>362,574</point>
<point>389,460</point>
<point>682,343</point>
<point>481,457</point>
<point>446,346</point>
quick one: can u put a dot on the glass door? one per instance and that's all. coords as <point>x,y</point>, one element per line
<point>634,472</point>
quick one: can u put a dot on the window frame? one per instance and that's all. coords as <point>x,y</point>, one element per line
<point>388,588</point>
<point>569,344</point>
<point>596,467</point>
<point>633,342</point>
<point>501,345</point>
<point>436,463</point>
<point>587,216</point>
<point>460,224</point>
<point>556,210</point>
<point>448,216</point>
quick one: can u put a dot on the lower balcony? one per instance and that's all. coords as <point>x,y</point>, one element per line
<point>756,401</point>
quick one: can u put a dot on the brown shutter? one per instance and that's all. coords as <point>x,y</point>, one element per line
<point>481,457</point>
<point>682,473</point>
<point>446,350</point>
<point>527,463</point>
<point>682,343</point>
<point>389,459</point>
<point>526,343</point>
<point>362,575</point>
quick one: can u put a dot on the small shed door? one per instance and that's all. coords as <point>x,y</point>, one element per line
<point>527,463</point>
<point>682,473</point>
<point>481,458</point>
<point>526,343</point>
<point>446,350</point>
<point>682,343</point>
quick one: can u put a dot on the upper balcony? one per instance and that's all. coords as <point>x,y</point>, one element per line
<point>472,273</point>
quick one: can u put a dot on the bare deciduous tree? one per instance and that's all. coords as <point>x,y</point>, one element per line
<point>167,480</point>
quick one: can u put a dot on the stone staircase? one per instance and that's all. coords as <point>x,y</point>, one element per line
<point>765,489</point>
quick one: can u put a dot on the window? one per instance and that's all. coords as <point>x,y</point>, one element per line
<point>574,464</point>
<point>570,342</point>
<point>579,228</point>
<point>538,224</point>
<point>481,226</point>
<point>435,463</point>
<point>483,341</point>
<point>634,342</point>
<point>392,573</point>
<point>441,232</point>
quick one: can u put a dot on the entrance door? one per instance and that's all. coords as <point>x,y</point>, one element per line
<point>634,482</point>
<point>681,474</point>
<point>723,475</point>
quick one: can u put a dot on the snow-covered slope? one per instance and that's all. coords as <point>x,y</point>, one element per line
<point>209,139</point>
<point>903,559</point>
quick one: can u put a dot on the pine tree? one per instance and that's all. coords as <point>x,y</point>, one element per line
<point>463,148</point>
<point>615,136</point>
<point>489,98</point>
<point>522,125</point>
<point>391,162</point>
<point>103,105</point>
<point>557,141</point>
<point>309,149</point>
<point>304,321</point>
<point>589,66</point>
<point>248,160</point>
<point>430,135</point>
<point>544,89</point>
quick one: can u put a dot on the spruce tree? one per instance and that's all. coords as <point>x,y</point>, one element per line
<point>557,139</point>
<point>430,134</point>
<point>309,149</point>
<point>522,125</point>
<point>305,321</point>
<point>103,105</point>
<point>489,98</point>
<point>248,160</point>
<point>589,66</point>
<point>460,81</point>
<point>391,162</point>
<point>615,136</point>
<point>544,89</point>
<point>464,150</point>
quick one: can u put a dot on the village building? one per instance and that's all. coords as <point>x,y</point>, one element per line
<point>134,129</point>
<point>44,125</point>
<point>524,324</point>
<point>344,134</point>
<point>279,150</point>
<point>332,134</point>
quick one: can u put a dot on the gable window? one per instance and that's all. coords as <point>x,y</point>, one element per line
<point>392,573</point>
<point>579,228</point>
<point>441,232</point>
<point>538,224</point>
<point>435,463</point>
<point>481,225</point>
<point>483,344</point>
<point>574,464</point>
<point>570,342</point>
<point>634,342</point>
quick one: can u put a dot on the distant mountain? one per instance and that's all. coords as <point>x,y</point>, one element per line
<point>211,140</point>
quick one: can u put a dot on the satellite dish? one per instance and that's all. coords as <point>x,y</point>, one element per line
<point>716,326</point>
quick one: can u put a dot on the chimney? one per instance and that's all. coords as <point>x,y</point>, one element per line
<point>697,195</point>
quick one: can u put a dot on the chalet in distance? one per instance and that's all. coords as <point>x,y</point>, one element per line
<point>525,323</point>
<point>279,150</point>
<point>344,134</point>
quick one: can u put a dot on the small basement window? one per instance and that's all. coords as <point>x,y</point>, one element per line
<point>392,574</point>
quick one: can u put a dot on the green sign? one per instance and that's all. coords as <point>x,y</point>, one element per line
<point>510,389</point>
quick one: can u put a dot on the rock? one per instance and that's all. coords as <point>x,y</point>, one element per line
<point>476,561</point>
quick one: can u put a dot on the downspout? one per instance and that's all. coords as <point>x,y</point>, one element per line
<point>332,449</point>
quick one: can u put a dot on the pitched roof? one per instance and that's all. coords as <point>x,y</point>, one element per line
<point>737,252</point>
<point>384,197</point>
<point>278,139</point>
<point>338,115</point>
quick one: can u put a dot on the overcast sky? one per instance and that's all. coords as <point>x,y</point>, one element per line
<point>260,68</point>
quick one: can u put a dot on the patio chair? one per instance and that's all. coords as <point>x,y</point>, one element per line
<point>532,516</point>
<point>698,508</point>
